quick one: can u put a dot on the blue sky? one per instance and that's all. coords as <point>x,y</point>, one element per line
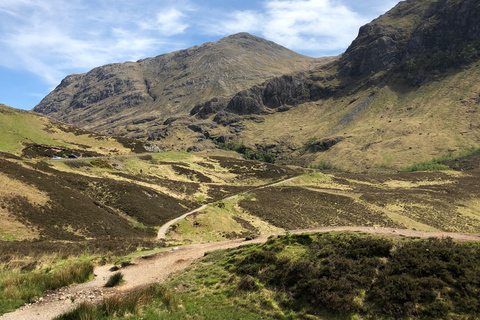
<point>42,41</point>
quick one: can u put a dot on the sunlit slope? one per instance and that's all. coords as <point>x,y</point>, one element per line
<point>20,130</point>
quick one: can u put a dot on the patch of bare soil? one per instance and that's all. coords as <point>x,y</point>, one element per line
<point>157,268</point>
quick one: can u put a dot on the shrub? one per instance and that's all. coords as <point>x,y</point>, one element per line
<point>324,165</point>
<point>114,280</point>
<point>101,163</point>
<point>259,154</point>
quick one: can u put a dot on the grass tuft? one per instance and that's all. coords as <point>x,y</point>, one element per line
<point>124,304</point>
<point>18,288</point>
<point>114,280</point>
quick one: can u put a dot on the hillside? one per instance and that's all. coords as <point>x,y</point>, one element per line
<point>404,91</point>
<point>60,217</point>
<point>29,135</point>
<point>136,97</point>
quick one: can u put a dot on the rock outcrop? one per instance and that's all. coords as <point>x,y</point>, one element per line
<point>445,32</point>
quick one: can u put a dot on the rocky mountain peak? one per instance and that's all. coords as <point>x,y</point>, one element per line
<point>412,30</point>
<point>111,97</point>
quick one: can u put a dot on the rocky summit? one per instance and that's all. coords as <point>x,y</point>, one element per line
<point>115,97</point>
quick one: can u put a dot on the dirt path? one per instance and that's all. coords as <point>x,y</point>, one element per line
<point>157,268</point>
<point>163,229</point>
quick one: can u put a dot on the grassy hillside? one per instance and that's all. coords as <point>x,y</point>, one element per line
<point>315,276</point>
<point>375,128</point>
<point>30,135</point>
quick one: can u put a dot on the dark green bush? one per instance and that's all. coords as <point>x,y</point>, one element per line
<point>345,274</point>
<point>114,280</point>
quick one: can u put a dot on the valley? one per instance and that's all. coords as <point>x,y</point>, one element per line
<point>239,179</point>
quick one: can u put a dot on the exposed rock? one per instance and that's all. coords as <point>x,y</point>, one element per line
<point>204,110</point>
<point>144,120</point>
<point>150,147</point>
<point>247,102</point>
<point>223,139</point>
<point>158,134</point>
<point>169,84</point>
<point>170,120</point>
<point>226,118</point>
<point>286,90</point>
<point>435,30</point>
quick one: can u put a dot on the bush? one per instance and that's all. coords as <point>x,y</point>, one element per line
<point>375,278</point>
<point>324,165</point>
<point>114,280</point>
<point>329,277</point>
<point>101,163</point>
<point>263,155</point>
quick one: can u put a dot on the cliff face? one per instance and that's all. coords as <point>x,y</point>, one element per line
<point>446,31</point>
<point>149,90</point>
<point>413,40</point>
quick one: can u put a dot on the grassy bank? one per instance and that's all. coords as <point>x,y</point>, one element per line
<point>24,285</point>
<point>317,276</point>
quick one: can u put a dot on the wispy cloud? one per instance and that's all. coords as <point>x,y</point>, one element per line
<point>52,38</point>
<point>306,25</point>
<point>169,22</point>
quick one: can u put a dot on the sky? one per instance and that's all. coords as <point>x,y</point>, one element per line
<point>42,41</point>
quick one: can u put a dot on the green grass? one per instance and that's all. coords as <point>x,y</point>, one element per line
<point>18,127</point>
<point>19,287</point>
<point>434,164</point>
<point>333,276</point>
<point>124,306</point>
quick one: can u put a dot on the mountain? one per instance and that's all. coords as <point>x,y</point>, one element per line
<point>405,90</point>
<point>147,92</point>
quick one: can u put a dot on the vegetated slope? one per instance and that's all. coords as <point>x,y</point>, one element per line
<point>314,276</point>
<point>404,91</point>
<point>130,97</point>
<point>27,134</point>
<point>115,198</point>
<point>335,276</point>
<point>445,201</point>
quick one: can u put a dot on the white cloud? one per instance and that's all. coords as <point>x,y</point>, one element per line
<point>53,38</point>
<point>168,22</point>
<point>237,21</point>
<point>304,25</point>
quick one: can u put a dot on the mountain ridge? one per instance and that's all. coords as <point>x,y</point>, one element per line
<point>402,66</point>
<point>168,84</point>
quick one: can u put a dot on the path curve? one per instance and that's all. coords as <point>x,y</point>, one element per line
<point>163,229</point>
<point>158,267</point>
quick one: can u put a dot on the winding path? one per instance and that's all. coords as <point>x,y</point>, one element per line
<point>158,267</point>
<point>163,229</point>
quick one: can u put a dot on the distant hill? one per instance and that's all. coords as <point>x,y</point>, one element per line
<point>405,90</point>
<point>145,93</point>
